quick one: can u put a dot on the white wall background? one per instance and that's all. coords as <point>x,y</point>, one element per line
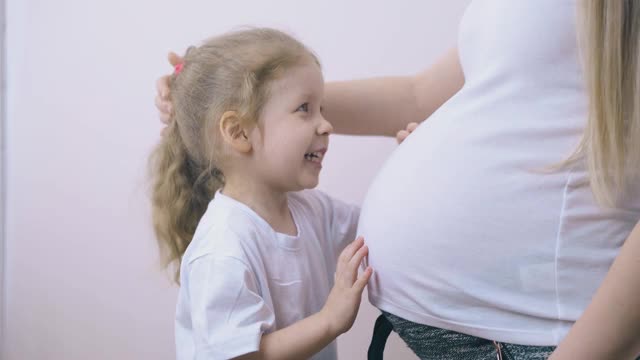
<point>2,162</point>
<point>81,280</point>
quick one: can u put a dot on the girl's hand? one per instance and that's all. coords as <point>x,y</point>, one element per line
<point>402,134</point>
<point>163,102</point>
<point>343,302</point>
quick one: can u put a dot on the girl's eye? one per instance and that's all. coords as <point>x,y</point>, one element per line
<point>304,107</point>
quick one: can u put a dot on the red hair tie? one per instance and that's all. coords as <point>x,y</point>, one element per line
<point>178,68</point>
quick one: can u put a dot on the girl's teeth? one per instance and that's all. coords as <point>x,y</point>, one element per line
<point>314,157</point>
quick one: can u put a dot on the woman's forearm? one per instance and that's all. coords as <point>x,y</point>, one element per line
<point>377,106</point>
<point>383,106</point>
<point>610,326</point>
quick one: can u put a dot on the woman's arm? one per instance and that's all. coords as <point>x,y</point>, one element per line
<point>610,326</point>
<point>382,106</point>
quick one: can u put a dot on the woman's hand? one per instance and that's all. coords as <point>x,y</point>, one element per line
<point>163,101</point>
<point>402,134</point>
<point>343,302</point>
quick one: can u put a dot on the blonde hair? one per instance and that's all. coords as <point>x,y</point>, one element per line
<point>610,37</point>
<point>231,72</point>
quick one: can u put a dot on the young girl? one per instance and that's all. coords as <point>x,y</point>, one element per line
<point>257,252</point>
<point>515,207</point>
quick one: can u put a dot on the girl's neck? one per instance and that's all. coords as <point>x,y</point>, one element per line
<point>270,204</point>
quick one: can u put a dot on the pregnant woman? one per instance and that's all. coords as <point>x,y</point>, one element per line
<point>506,224</point>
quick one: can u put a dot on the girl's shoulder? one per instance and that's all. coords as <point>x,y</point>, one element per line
<point>322,207</point>
<point>313,199</point>
<point>308,196</point>
<point>223,231</point>
<point>217,242</point>
<point>311,203</point>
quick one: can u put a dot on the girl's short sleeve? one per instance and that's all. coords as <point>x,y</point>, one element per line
<point>228,314</point>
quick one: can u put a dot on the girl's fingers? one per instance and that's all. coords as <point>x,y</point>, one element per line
<point>412,126</point>
<point>351,249</point>
<point>362,281</point>
<point>344,259</point>
<point>356,260</point>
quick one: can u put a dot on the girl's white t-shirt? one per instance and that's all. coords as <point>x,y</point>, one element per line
<point>468,228</point>
<point>241,279</point>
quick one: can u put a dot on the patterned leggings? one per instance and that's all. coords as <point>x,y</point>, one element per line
<point>431,343</point>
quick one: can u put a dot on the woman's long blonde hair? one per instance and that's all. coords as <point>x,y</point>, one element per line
<point>231,72</point>
<point>609,37</point>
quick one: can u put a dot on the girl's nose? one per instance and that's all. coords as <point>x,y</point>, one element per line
<point>325,127</point>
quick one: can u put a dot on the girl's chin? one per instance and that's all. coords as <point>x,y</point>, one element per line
<point>310,183</point>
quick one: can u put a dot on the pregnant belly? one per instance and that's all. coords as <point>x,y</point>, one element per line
<point>445,212</point>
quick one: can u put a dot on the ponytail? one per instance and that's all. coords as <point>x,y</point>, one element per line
<point>181,191</point>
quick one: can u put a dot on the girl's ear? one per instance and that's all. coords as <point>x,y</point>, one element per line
<point>234,133</point>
